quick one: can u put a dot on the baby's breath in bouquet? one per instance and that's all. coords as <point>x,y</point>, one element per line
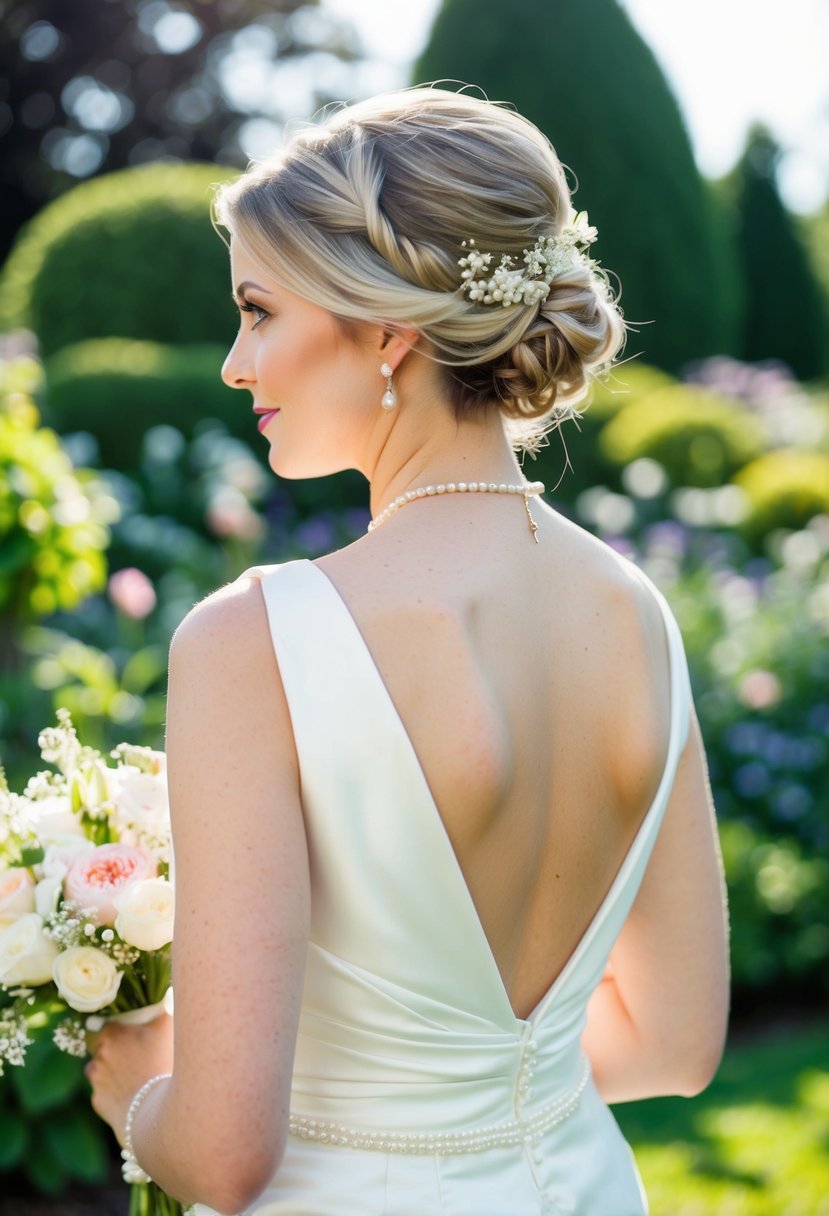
<point>86,901</point>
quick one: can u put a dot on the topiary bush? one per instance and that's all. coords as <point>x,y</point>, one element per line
<point>699,438</point>
<point>783,489</point>
<point>131,254</point>
<point>118,389</point>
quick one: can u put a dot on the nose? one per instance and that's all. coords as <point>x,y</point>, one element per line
<point>236,370</point>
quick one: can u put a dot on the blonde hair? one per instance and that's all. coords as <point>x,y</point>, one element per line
<point>365,215</point>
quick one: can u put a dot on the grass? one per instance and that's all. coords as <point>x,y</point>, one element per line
<point>755,1143</point>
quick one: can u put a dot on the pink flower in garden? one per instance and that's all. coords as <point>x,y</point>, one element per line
<point>95,878</point>
<point>230,514</point>
<point>760,689</point>
<point>132,593</point>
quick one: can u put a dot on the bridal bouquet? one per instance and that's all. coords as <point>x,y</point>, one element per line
<point>86,901</point>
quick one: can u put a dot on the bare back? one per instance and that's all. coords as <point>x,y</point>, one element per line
<point>533,683</point>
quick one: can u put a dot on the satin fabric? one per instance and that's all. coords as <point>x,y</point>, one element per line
<point>406,1025</point>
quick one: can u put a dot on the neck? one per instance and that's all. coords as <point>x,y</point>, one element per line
<point>447,452</point>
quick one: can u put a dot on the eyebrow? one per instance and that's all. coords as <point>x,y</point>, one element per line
<point>239,293</point>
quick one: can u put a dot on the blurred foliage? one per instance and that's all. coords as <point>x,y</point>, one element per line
<point>787,311</point>
<point>572,460</point>
<point>129,255</point>
<point>699,438</point>
<point>153,383</point>
<point>49,1134</point>
<point>591,84</point>
<point>89,87</point>
<point>52,517</point>
<point>785,489</point>
<point>814,232</point>
<point>753,1144</point>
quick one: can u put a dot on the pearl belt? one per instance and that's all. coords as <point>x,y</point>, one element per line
<point>499,1135</point>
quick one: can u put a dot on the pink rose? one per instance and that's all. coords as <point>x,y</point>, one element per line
<point>95,878</point>
<point>17,894</point>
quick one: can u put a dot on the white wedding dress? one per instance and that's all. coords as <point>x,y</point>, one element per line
<point>416,1090</point>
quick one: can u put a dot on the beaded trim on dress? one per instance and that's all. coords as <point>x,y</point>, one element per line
<point>441,1144</point>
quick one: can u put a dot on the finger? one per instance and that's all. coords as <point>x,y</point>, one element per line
<point>93,1038</point>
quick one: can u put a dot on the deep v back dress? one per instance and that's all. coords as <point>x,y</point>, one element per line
<point>416,1090</point>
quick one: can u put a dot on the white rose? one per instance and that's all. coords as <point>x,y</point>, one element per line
<point>47,893</point>
<point>146,910</point>
<point>26,955</point>
<point>17,894</point>
<point>53,818</point>
<point>87,979</point>
<point>141,800</point>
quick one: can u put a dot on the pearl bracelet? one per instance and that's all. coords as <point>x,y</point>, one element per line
<point>131,1171</point>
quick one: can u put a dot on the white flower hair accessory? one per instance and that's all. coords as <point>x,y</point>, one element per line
<point>530,284</point>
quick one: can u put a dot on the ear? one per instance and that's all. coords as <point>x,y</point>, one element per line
<point>396,344</point>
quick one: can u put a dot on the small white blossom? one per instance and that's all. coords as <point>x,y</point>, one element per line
<point>13,1038</point>
<point>70,1037</point>
<point>549,257</point>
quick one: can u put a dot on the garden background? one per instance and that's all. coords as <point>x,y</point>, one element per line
<point>132,483</point>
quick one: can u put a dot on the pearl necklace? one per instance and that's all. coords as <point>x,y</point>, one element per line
<point>527,490</point>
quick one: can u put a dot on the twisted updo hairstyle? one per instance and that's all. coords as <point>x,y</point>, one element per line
<point>366,215</point>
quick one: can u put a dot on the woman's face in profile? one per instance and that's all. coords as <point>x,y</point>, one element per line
<point>316,391</point>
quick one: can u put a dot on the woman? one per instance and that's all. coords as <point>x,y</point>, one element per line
<point>447,868</point>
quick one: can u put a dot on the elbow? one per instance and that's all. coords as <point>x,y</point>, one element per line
<point>697,1068</point>
<point>242,1186</point>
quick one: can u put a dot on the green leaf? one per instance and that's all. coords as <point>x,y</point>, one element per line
<point>43,1170</point>
<point>14,1135</point>
<point>50,1076</point>
<point>78,1142</point>
<point>143,669</point>
<point>32,855</point>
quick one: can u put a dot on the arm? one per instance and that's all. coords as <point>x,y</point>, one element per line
<point>215,1133</point>
<point>656,1024</point>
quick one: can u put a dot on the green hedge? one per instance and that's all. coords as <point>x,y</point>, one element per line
<point>131,254</point>
<point>784,489</point>
<point>118,389</point>
<point>630,382</point>
<point>699,438</point>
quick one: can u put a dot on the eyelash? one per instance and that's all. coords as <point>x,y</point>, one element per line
<point>248,306</point>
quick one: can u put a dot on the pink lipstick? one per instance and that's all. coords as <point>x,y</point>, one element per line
<point>265,418</point>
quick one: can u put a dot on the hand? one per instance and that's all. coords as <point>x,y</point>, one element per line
<point>124,1058</point>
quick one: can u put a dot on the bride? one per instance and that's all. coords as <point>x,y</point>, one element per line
<point>447,871</point>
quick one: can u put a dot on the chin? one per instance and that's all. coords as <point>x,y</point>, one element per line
<point>296,467</point>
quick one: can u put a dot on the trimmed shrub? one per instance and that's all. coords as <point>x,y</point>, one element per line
<point>784,489</point>
<point>131,255</point>
<point>118,389</point>
<point>699,438</point>
<point>786,314</point>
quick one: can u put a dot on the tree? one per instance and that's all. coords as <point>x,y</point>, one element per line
<point>95,85</point>
<point>580,71</point>
<point>786,314</point>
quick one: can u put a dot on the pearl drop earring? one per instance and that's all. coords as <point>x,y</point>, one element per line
<point>389,398</point>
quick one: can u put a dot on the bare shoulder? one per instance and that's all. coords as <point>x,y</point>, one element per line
<point>612,586</point>
<point>230,623</point>
<point>621,629</point>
